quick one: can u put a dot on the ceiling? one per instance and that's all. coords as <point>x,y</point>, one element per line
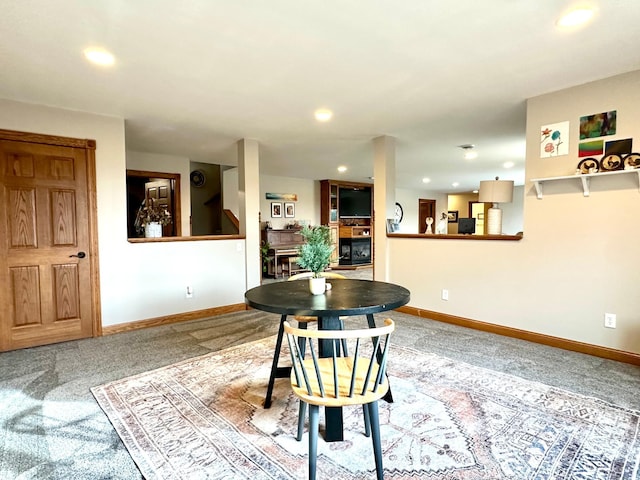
<point>192,78</point>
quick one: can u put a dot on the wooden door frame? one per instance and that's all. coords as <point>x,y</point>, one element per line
<point>94,264</point>
<point>175,192</point>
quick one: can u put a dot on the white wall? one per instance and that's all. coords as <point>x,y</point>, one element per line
<point>230,191</point>
<point>578,258</point>
<point>307,205</point>
<point>144,280</point>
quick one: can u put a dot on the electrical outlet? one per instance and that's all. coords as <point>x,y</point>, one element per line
<point>445,294</point>
<point>610,320</point>
<point>189,292</point>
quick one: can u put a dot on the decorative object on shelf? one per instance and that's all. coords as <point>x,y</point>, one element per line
<point>315,254</point>
<point>587,164</point>
<point>452,216</point>
<point>441,228</point>
<point>198,178</point>
<point>289,209</point>
<point>495,192</point>
<point>151,218</point>
<point>632,161</point>
<point>291,197</point>
<point>466,226</point>
<point>552,140</point>
<point>276,210</point>
<point>598,125</point>
<point>153,230</point>
<point>611,162</point>
<point>392,226</point>
<point>429,221</point>
<point>398,214</point>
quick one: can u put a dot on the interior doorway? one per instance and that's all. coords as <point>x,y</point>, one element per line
<point>426,208</point>
<point>48,240</point>
<point>479,211</point>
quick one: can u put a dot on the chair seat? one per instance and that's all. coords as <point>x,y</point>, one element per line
<point>345,367</point>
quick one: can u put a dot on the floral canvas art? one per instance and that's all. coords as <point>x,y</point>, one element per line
<point>554,140</point>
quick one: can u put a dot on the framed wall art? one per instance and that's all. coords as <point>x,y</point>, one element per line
<point>553,140</point>
<point>289,210</point>
<point>452,216</point>
<point>292,197</point>
<point>598,125</point>
<point>276,210</point>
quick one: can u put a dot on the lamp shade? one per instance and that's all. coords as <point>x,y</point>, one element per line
<point>496,191</point>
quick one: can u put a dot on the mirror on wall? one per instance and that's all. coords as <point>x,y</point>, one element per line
<point>150,194</point>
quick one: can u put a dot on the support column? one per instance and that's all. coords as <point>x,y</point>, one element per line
<point>249,207</point>
<point>384,174</point>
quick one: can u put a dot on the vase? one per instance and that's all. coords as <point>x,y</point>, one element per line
<point>153,230</point>
<point>317,285</point>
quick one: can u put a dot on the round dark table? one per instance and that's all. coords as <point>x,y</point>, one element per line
<point>346,297</point>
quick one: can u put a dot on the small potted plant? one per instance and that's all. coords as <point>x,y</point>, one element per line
<point>151,218</point>
<point>264,255</point>
<point>315,254</point>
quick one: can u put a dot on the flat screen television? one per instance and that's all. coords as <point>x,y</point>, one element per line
<point>466,226</point>
<point>354,202</point>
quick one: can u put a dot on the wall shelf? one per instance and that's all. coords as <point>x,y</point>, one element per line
<point>584,178</point>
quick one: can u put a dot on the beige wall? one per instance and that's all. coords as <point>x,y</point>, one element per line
<point>578,257</point>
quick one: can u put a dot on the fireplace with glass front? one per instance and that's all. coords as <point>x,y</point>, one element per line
<point>355,251</point>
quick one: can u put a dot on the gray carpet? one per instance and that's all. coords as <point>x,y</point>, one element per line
<point>52,427</point>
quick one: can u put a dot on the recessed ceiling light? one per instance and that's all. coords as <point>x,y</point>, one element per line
<point>99,56</point>
<point>426,180</point>
<point>455,184</point>
<point>475,191</point>
<point>508,164</point>
<point>469,152</point>
<point>342,169</point>
<point>576,17</point>
<point>323,115</point>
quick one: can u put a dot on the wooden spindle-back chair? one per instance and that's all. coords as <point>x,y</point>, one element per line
<point>325,373</point>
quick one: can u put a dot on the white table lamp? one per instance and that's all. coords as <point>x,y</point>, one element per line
<point>495,192</point>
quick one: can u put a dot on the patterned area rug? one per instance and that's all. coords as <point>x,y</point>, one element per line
<point>203,418</point>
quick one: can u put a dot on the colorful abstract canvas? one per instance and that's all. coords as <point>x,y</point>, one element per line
<point>591,149</point>
<point>598,125</point>
<point>553,140</point>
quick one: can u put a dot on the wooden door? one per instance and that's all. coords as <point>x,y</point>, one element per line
<point>158,193</point>
<point>47,289</point>
<point>426,208</point>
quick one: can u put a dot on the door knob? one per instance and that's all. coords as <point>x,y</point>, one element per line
<point>79,255</point>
